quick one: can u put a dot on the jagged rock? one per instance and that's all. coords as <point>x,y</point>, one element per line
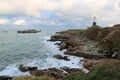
<point>57,44</point>
<point>61,57</point>
<point>112,54</point>
<point>23,68</point>
<point>50,72</point>
<point>37,72</point>
<point>88,64</point>
<point>85,55</point>
<point>63,45</point>
<point>59,37</point>
<point>58,56</point>
<point>71,70</point>
<point>26,68</point>
<point>5,77</point>
<point>66,58</point>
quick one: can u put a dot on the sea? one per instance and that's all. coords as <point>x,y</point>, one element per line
<point>31,49</point>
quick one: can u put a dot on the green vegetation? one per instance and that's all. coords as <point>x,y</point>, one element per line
<point>92,32</point>
<point>104,32</point>
<point>30,78</point>
<point>110,70</point>
<point>76,32</point>
<point>111,45</point>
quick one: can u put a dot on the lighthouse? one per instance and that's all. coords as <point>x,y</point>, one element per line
<point>94,21</point>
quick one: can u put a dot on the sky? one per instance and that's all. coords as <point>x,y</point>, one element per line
<point>58,13</point>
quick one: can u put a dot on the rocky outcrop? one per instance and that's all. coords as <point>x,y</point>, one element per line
<point>71,70</point>
<point>85,55</point>
<point>105,42</point>
<point>63,45</point>
<point>88,64</point>
<point>74,44</point>
<point>26,68</point>
<point>111,54</point>
<point>60,37</point>
<point>29,31</point>
<point>61,57</point>
<point>50,72</point>
<point>5,77</point>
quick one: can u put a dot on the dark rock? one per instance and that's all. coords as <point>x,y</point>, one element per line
<point>61,57</point>
<point>71,70</point>
<point>115,54</point>
<point>5,77</point>
<point>88,64</point>
<point>85,55</point>
<point>56,73</point>
<point>66,58</point>
<point>37,72</point>
<point>108,53</point>
<point>59,37</point>
<point>23,68</point>
<point>26,68</point>
<point>58,56</point>
<point>63,45</point>
<point>50,72</point>
<point>112,54</point>
<point>57,44</point>
<point>29,31</point>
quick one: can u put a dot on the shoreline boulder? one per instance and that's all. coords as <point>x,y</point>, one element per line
<point>61,57</point>
<point>26,68</point>
<point>5,77</point>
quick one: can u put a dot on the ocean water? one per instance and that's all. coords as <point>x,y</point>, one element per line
<point>30,50</point>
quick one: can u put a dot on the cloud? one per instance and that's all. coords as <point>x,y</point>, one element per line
<point>60,11</point>
<point>4,21</point>
<point>82,8</point>
<point>26,7</point>
<point>19,22</point>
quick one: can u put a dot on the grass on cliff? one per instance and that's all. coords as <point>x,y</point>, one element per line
<point>30,78</point>
<point>75,32</point>
<point>110,70</point>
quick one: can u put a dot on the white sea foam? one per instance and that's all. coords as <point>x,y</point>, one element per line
<point>12,70</point>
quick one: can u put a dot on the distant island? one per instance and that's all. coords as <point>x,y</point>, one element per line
<point>29,31</point>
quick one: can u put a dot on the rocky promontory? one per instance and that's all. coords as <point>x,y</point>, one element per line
<point>95,42</point>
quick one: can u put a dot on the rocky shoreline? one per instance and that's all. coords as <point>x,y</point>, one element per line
<point>76,47</point>
<point>87,43</point>
<point>92,43</point>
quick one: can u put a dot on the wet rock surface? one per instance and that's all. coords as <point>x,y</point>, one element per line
<point>71,70</point>
<point>26,68</point>
<point>5,77</point>
<point>61,57</point>
<point>50,72</point>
